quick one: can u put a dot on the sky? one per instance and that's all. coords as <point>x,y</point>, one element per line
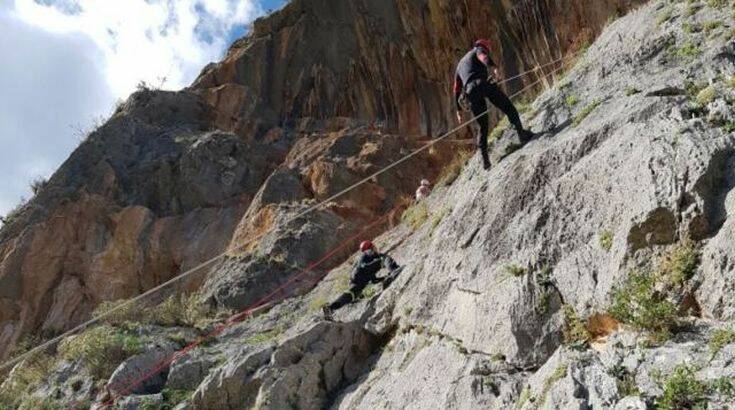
<point>67,62</point>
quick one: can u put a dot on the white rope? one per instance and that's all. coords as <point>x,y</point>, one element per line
<point>128,303</point>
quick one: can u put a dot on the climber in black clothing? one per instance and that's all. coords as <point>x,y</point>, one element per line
<point>472,78</point>
<point>367,267</point>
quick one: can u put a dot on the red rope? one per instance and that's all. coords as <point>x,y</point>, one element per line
<point>165,363</point>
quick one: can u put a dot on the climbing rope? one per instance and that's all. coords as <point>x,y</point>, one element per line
<point>131,302</point>
<point>127,388</point>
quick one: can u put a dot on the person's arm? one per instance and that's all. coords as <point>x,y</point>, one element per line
<point>493,68</point>
<point>356,269</point>
<point>457,91</point>
<point>389,263</point>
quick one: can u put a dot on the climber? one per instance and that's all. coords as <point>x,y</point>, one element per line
<point>424,190</point>
<point>474,82</point>
<point>369,264</point>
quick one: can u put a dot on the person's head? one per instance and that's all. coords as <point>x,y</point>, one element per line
<point>367,247</point>
<point>482,49</point>
<point>425,182</point>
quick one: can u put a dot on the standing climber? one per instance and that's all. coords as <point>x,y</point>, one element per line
<point>423,190</point>
<point>365,271</point>
<point>473,79</point>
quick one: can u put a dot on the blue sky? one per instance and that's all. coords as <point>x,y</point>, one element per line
<point>67,62</point>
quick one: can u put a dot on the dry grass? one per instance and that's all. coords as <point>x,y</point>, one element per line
<point>101,349</point>
<point>454,168</point>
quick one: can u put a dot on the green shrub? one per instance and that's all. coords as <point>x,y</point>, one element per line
<point>499,129</point>
<point>317,303</point>
<point>717,3</point>
<point>575,331</point>
<point>625,382</point>
<point>710,26</point>
<point>176,310</point>
<point>24,379</point>
<point>416,214</point>
<point>691,10</point>
<point>707,95</point>
<point>691,27</point>
<point>524,397</point>
<point>723,386</point>
<point>182,310</point>
<point>37,184</point>
<point>14,213</point>
<point>679,264</point>
<point>642,301</point>
<point>638,303</point>
<point>693,88</point>
<point>515,270</point>
<point>571,101</point>
<point>665,16</point>
<point>101,349</point>
<point>41,403</point>
<point>585,112</point>
<point>689,49</point>
<point>172,398</point>
<point>117,313</point>
<point>438,217</point>
<point>454,168</point>
<point>542,306</point>
<point>630,90</point>
<point>682,391</point>
<point>719,339</point>
<point>729,127</point>
<point>559,373</point>
<point>264,337</point>
<point>606,240</point>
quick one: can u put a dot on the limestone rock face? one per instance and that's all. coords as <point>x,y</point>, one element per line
<point>387,60</point>
<point>633,155</point>
<point>319,95</point>
<point>633,160</point>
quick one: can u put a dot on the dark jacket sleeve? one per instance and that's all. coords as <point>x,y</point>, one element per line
<point>389,263</point>
<point>356,269</point>
<point>490,62</point>
<point>457,91</point>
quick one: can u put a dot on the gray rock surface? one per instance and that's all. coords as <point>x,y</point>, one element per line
<point>625,151</point>
<point>150,366</point>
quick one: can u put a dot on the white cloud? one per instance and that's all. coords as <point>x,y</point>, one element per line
<point>145,40</point>
<point>66,62</point>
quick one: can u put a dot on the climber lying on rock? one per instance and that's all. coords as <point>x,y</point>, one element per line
<point>365,272</point>
<point>474,83</point>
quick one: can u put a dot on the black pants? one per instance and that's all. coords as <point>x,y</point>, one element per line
<point>477,96</point>
<point>352,294</point>
<point>357,287</point>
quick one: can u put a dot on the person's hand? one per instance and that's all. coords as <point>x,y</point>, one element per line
<point>496,74</point>
<point>459,117</point>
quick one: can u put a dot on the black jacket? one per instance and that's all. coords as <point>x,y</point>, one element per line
<point>369,265</point>
<point>470,72</point>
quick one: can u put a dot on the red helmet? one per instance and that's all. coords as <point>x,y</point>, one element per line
<point>484,43</point>
<point>365,245</point>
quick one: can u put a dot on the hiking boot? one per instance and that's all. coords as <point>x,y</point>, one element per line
<point>525,136</point>
<point>486,164</point>
<point>328,313</point>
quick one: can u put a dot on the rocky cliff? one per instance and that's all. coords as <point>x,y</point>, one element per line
<point>319,95</point>
<point>589,269</point>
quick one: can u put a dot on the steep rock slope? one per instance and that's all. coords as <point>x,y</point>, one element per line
<point>642,159</point>
<point>320,95</point>
<point>509,282</point>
